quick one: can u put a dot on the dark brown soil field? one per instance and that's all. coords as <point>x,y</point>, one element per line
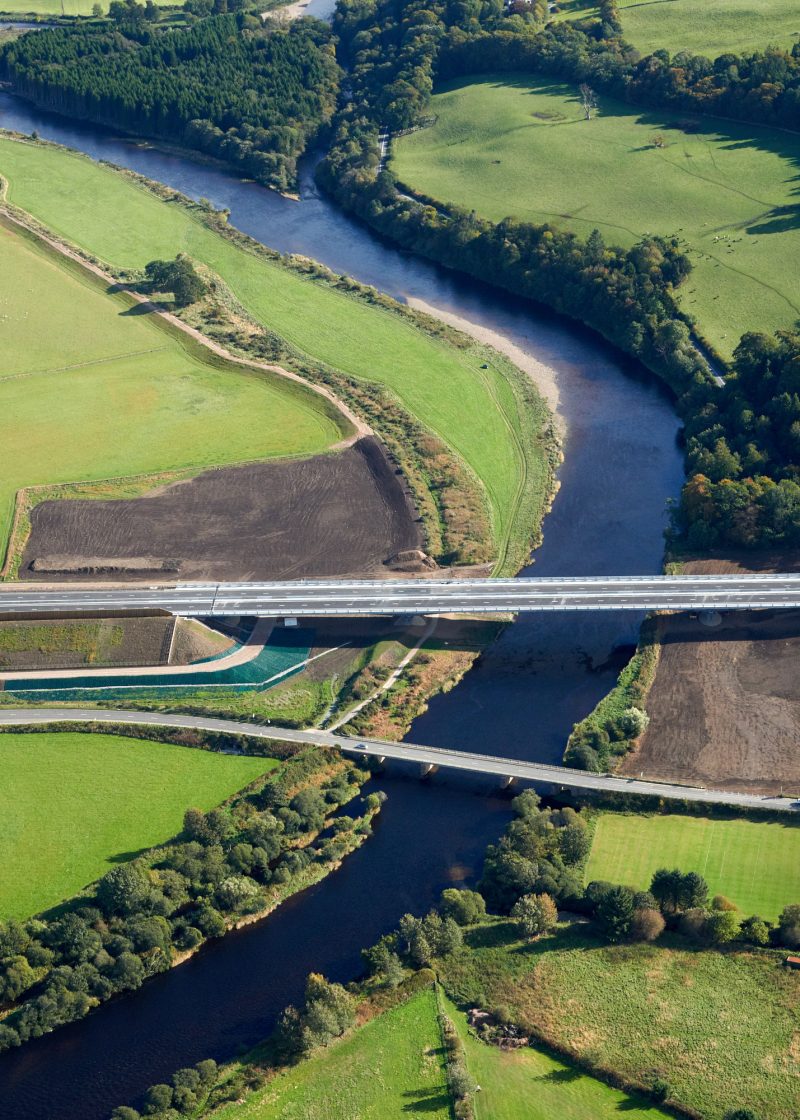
<point>725,705</point>
<point>331,515</point>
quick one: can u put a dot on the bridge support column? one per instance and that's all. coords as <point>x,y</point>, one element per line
<point>426,768</point>
<point>507,781</point>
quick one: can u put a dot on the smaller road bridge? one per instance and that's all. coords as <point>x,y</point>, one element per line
<point>428,758</point>
<point>328,598</point>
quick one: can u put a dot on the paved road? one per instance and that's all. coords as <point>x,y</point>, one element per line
<point>502,768</point>
<point>310,598</point>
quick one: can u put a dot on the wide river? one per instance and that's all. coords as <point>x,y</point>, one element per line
<point>547,671</point>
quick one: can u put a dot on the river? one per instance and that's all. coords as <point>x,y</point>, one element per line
<point>546,671</point>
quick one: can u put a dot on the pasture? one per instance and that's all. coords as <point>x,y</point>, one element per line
<point>73,805</point>
<point>520,147</point>
<point>755,863</point>
<point>528,1084</point>
<point>707,27</point>
<point>720,1028</point>
<point>459,394</point>
<point>389,1067</point>
<point>90,390</point>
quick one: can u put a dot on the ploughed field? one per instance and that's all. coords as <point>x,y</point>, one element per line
<point>707,27</point>
<point>92,390</point>
<point>73,805</point>
<point>465,399</point>
<point>344,513</point>
<point>520,147</point>
<point>756,864</point>
<point>725,704</point>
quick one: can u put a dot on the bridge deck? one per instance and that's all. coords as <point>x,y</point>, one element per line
<point>409,752</point>
<point>315,598</point>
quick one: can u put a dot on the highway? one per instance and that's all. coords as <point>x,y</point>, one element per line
<point>425,757</point>
<point>346,598</point>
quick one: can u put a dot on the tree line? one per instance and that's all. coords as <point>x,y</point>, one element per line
<point>742,440</point>
<point>250,95</point>
<point>235,860</point>
<point>534,868</point>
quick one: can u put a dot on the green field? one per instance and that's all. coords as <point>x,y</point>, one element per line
<point>720,1028</point>
<point>72,805</point>
<point>756,864</point>
<point>90,391</point>
<point>528,1084</point>
<point>62,7</point>
<point>473,409</point>
<point>707,27</point>
<point>391,1066</point>
<point>520,146</point>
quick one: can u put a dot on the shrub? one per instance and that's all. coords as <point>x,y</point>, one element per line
<point>535,914</point>
<point>463,906</point>
<point>646,924</point>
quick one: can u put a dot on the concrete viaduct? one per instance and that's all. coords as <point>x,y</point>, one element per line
<point>349,598</point>
<point>427,758</point>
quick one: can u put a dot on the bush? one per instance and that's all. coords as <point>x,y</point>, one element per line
<point>534,914</point>
<point>647,924</point>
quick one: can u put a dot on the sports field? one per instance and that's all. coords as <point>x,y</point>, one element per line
<point>707,27</point>
<point>72,805</point>
<point>518,146</point>
<point>390,1067</point>
<point>473,409</point>
<point>756,864</point>
<point>90,390</point>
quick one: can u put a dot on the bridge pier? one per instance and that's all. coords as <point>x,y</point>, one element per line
<point>427,768</point>
<point>507,781</point>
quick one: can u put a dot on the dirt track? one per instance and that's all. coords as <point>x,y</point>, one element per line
<point>725,705</point>
<point>344,513</point>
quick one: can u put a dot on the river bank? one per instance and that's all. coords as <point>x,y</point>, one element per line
<point>521,699</point>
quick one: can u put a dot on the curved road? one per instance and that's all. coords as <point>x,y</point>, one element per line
<point>426,757</point>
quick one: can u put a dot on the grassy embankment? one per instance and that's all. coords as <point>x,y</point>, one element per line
<point>720,1028</point>
<point>754,863</point>
<point>91,391</point>
<point>707,27</point>
<point>391,1066</point>
<point>107,797</point>
<point>519,146</point>
<point>60,7</point>
<point>468,396</point>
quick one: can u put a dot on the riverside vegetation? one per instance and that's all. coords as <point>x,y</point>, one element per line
<point>742,435</point>
<point>255,96</point>
<point>468,428</point>
<point>640,965</point>
<point>279,834</point>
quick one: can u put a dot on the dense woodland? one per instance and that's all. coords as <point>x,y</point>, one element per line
<point>255,97</point>
<point>239,859</point>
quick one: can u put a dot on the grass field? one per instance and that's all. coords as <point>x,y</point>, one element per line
<point>520,146</point>
<point>391,1066</point>
<point>61,7</point>
<point>472,408</point>
<point>720,1028</point>
<point>707,27</point>
<point>528,1084</point>
<point>90,391</point>
<point>756,864</point>
<point>73,805</point>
